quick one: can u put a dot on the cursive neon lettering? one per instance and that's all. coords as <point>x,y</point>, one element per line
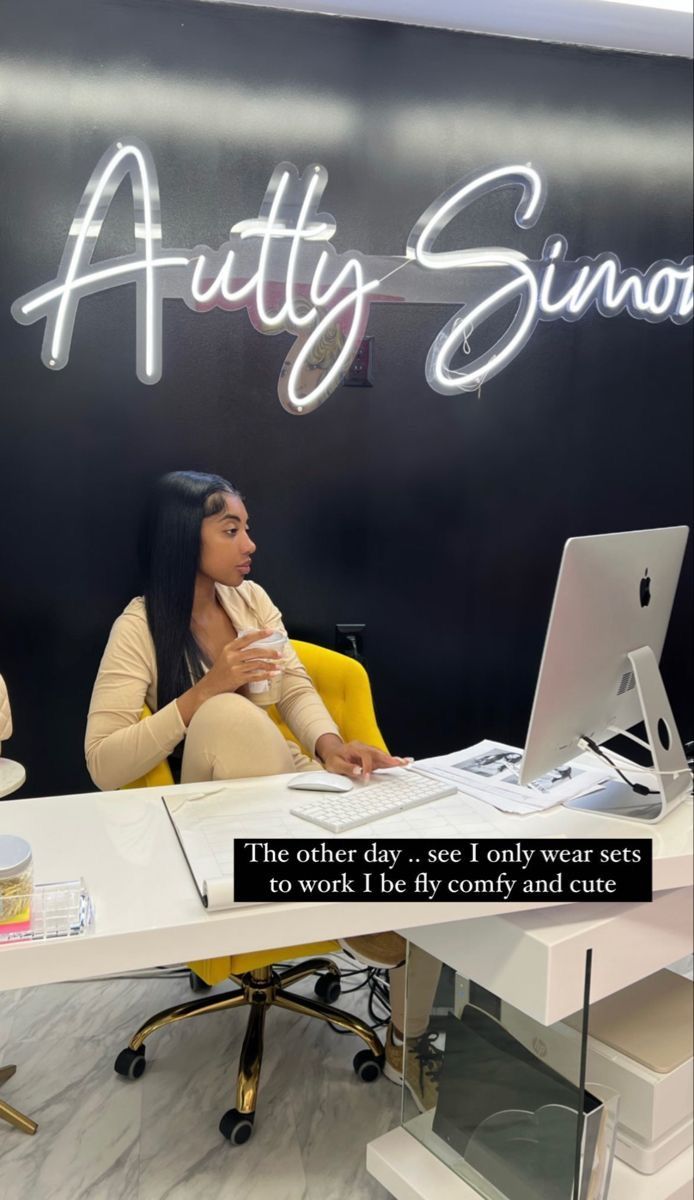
<point>282,268</point>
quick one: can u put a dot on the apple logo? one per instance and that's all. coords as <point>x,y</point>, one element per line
<point>645,590</point>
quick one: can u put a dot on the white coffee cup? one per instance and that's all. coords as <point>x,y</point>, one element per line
<point>265,691</point>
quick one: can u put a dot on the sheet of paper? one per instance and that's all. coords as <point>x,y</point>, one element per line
<point>489,771</point>
<point>496,799</point>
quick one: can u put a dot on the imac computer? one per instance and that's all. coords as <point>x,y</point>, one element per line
<point>599,673</point>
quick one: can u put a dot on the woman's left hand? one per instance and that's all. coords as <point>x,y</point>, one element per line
<point>357,759</point>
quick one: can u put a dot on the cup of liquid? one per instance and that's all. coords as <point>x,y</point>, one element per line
<point>266,691</point>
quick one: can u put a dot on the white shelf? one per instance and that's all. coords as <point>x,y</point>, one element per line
<point>411,1172</point>
<point>535,960</point>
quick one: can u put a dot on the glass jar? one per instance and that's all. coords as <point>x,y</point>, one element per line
<point>16,881</point>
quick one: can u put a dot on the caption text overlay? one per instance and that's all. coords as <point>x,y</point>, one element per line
<point>443,870</point>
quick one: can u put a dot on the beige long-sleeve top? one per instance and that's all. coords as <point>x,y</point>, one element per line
<point>119,747</point>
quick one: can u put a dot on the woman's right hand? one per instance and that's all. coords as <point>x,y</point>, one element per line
<point>238,664</point>
<point>235,666</point>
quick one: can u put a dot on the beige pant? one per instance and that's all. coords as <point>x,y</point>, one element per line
<point>411,1018</point>
<point>231,738</point>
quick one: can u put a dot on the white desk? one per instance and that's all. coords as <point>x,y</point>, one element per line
<point>535,960</point>
<point>148,911</point>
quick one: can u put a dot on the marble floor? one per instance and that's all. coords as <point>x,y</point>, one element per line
<point>105,1138</point>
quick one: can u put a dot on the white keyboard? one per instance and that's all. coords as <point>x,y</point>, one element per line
<point>371,801</point>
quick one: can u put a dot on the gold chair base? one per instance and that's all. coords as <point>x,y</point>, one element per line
<point>260,989</point>
<point>10,1114</point>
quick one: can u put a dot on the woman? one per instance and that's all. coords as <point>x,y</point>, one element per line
<point>177,650</point>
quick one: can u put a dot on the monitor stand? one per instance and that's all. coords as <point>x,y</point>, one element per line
<point>673,777</point>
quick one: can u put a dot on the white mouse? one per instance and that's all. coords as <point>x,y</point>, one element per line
<point>320,781</point>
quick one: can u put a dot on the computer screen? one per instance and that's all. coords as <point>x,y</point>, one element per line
<point>613,598</point>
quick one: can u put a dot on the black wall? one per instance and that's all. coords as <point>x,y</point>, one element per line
<point>438,521</point>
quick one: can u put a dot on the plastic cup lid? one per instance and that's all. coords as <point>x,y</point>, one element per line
<point>15,855</point>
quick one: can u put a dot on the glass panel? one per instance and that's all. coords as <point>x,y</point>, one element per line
<point>640,1048</point>
<point>497,1096</point>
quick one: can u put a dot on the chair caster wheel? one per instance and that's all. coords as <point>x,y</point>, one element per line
<point>197,984</point>
<point>130,1063</point>
<point>236,1127</point>
<point>367,1065</point>
<point>328,987</point>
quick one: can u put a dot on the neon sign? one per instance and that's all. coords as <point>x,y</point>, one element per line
<point>283,270</point>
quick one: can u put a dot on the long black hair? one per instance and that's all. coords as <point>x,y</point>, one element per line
<point>170,554</point>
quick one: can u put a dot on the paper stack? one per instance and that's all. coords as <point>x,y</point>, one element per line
<point>489,772</point>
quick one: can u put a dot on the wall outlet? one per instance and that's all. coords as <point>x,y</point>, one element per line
<point>360,374</point>
<point>349,639</point>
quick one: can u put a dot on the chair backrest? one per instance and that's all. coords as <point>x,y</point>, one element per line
<point>342,684</point>
<point>160,776</point>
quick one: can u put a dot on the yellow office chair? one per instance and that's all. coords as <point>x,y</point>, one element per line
<point>344,687</point>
